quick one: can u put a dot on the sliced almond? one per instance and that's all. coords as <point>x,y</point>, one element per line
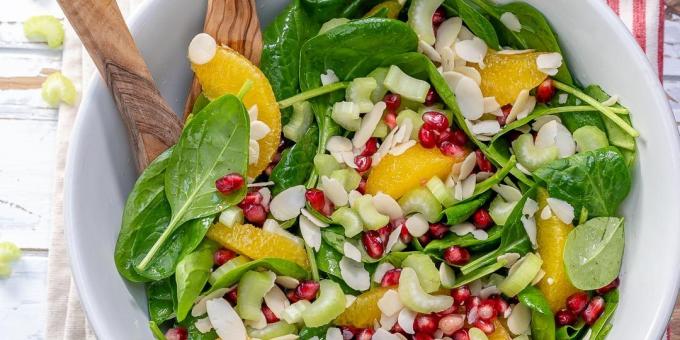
<point>562,209</point>
<point>509,194</point>
<point>401,148</point>
<point>351,251</point>
<point>448,59</point>
<point>486,127</point>
<point>530,207</point>
<point>513,52</point>
<point>417,225</point>
<point>488,291</point>
<point>549,61</point>
<point>224,319</point>
<point>368,125</point>
<point>287,204</point>
<point>393,239</point>
<point>354,274</point>
<point>389,303</point>
<point>338,144</point>
<point>203,325</point>
<point>470,98</point>
<point>349,300</point>
<point>387,205</point>
<point>510,21</point>
<point>329,78</point>
<point>386,323</point>
<point>276,300</point>
<point>462,228</point>
<point>380,271</point>
<point>258,130</point>
<point>313,219</point>
<point>491,105</point>
<point>406,319</point>
<point>334,190</point>
<point>479,234</point>
<point>469,186</point>
<point>611,101</point>
<point>509,258</point>
<point>253,151</point>
<point>452,78</point>
<point>429,51</point>
<point>310,233</point>
<point>542,120</point>
<point>469,72</point>
<point>287,282</point>
<point>200,307</point>
<point>467,166</point>
<point>546,213</point>
<point>519,320</point>
<point>530,227</point>
<point>253,111</point>
<point>447,33</point>
<point>473,50</point>
<point>333,333</point>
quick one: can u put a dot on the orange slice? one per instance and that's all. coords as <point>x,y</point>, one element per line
<point>506,75</point>
<point>256,243</point>
<point>500,333</point>
<point>364,311</point>
<point>226,73</point>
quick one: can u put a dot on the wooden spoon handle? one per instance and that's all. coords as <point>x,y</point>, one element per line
<point>233,23</point>
<point>151,124</point>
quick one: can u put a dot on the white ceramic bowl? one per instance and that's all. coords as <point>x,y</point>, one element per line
<point>100,170</point>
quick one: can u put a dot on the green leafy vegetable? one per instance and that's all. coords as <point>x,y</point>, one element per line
<point>194,334</point>
<point>597,180</point>
<point>478,23</point>
<point>214,143</point>
<point>435,247</point>
<point>309,332</point>
<point>278,266</point>
<point>603,324</point>
<point>297,162</point>
<point>593,252</point>
<point>480,273</point>
<point>200,103</point>
<point>462,211</point>
<point>157,333</point>
<point>577,331</point>
<point>191,276</point>
<point>161,300</point>
<point>542,318</point>
<point>617,136</point>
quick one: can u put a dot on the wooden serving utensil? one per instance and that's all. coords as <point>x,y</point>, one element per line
<point>233,23</point>
<point>151,124</point>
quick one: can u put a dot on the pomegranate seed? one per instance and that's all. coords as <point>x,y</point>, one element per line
<point>232,295</point>
<point>371,147</point>
<point>316,199</point>
<point>451,149</point>
<point>565,317</point>
<point>372,243</point>
<point>577,302</point>
<point>363,163</point>
<point>365,334</point>
<point>221,256</point>
<point>177,333</point>
<point>593,310</point>
<point>252,197</point>
<point>229,183</point>
<point>459,137</point>
<point>482,219</point>
<point>362,186</point>
<point>292,297</point>
<point>385,233</point>
<point>460,295</point>
<point>486,326</point>
<point>255,214</point>
<point>425,323</point>
<point>487,310</point>
<point>438,230</point>
<point>448,311</point>
<point>307,290</point>
<point>608,288</point>
<point>456,255</point>
<point>444,136</point>
<point>391,278</point>
<point>435,121</point>
<point>502,120</point>
<point>461,334</point>
<point>404,235</point>
<point>348,332</point>
<point>483,164</point>
<point>438,17</point>
<point>472,301</point>
<point>392,101</point>
<point>268,314</point>
<point>500,305</point>
<point>545,91</point>
<point>451,324</point>
<point>422,336</point>
<point>424,240</point>
<point>427,137</point>
<point>432,97</point>
<point>397,329</point>
<point>390,119</point>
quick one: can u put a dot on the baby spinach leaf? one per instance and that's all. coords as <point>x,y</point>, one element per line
<point>572,332</point>
<point>200,103</point>
<point>467,240</point>
<point>617,136</point>
<point>161,300</point>
<point>460,212</point>
<point>478,23</point>
<point>277,265</point>
<point>574,120</point>
<point>297,162</point>
<point>480,273</point>
<point>328,259</point>
<point>514,238</point>
<point>603,325</point>
<point>598,180</point>
<point>593,252</point>
<point>542,318</point>
<point>191,276</point>
<point>308,333</point>
<point>194,334</point>
<point>157,333</point>
<point>214,143</point>
<point>282,40</point>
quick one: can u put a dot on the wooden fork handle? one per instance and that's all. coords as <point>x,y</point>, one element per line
<point>151,124</point>
<point>233,23</point>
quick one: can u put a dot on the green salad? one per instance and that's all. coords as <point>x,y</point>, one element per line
<point>420,169</point>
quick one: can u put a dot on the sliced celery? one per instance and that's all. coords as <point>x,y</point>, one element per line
<point>231,216</point>
<point>421,200</point>
<point>331,24</point>
<point>441,192</point>
<point>415,298</point>
<point>415,118</point>
<point>408,87</point>
<point>273,330</point>
<point>346,114</point>
<point>227,267</point>
<point>590,138</point>
<point>349,178</point>
<point>251,291</point>
<point>420,18</point>
<point>359,92</point>
<point>293,313</point>
<point>523,272</point>
<point>427,272</point>
<point>299,122</point>
<point>325,164</point>
<point>380,91</point>
<point>57,88</point>
<point>45,28</point>
<point>381,130</point>
<point>348,219</point>
<point>328,306</point>
<point>531,156</point>
<point>373,220</point>
<point>500,210</point>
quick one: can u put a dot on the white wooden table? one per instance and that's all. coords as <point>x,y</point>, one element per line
<point>27,154</point>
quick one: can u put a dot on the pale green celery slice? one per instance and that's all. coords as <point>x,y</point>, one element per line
<point>57,88</point>
<point>273,330</point>
<point>590,138</point>
<point>299,122</point>
<point>45,28</point>
<point>328,306</point>
<point>441,192</point>
<point>359,92</point>
<point>521,275</point>
<point>373,220</point>
<point>408,87</point>
<point>421,200</point>
<point>251,291</point>
<point>415,298</point>
<point>427,272</point>
<point>348,219</point>
<point>325,164</point>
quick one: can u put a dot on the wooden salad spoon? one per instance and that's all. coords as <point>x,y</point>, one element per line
<point>151,124</point>
<point>233,23</point>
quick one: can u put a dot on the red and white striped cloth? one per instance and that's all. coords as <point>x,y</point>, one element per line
<point>645,19</point>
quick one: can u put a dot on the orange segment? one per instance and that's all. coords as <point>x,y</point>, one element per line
<point>506,75</point>
<point>364,311</point>
<point>226,73</point>
<point>551,236</point>
<point>500,333</point>
<point>396,175</point>
<point>256,243</point>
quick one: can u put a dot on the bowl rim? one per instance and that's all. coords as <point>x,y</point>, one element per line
<point>663,313</point>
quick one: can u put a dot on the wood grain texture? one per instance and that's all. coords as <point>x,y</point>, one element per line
<point>233,23</point>
<point>152,125</point>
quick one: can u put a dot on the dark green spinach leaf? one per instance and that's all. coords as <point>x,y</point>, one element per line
<point>467,240</point>
<point>191,276</point>
<point>574,332</point>
<point>461,212</point>
<point>297,162</point>
<point>308,332</point>
<point>194,334</point>
<point>161,300</point>
<point>542,318</point>
<point>603,325</point>
<point>478,23</point>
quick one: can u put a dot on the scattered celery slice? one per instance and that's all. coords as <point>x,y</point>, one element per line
<point>590,138</point>
<point>408,87</point>
<point>531,156</point>
<point>328,306</point>
<point>428,274</point>
<point>325,164</point>
<point>415,298</point>
<point>349,178</point>
<point>500,210</point>
<point>293,313</point>
<point>58,87</point>
<point>415,118</point>
<point>380,91</point>
<point>251,291</point>
<point>348,219</point>
<point>272,330</point>
<point>421,200</point>
<point>521,275</point>
<point>227,267</point>
<point>373,220</point>
<point>359,92</point>
<point>381,130</point>
<point>420,18</point>
<point>45,28</point>
<point>231,216</point>
<point>299,122</point>
<point>346,114</point>
<point>441,192</point>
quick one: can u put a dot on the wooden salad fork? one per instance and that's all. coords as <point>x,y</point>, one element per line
<point>232,23</point>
